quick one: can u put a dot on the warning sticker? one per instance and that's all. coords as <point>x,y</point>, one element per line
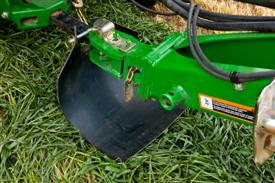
<point>228,108</point>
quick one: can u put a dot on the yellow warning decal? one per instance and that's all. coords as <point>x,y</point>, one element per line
<point>227,108</point>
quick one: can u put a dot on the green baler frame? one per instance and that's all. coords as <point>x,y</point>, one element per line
<point>168,70</point>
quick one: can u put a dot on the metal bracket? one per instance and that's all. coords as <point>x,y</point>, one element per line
<point>106,29</point>
<point>264,134</point>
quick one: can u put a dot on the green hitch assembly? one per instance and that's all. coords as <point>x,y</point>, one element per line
<point>158,81</point>
<point>168,73</point>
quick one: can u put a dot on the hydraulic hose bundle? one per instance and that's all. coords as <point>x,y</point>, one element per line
<point>223,22</point>
<point>218,21</point>
<point>207,65</point>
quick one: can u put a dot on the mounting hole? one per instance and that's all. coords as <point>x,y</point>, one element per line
<point>168,102</point>
<point>29,20</point>
<point>27,1</point>
<point>171,93</point>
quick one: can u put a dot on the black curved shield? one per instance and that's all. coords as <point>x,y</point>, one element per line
<point>93,101</point>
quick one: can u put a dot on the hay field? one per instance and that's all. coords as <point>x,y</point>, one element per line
<point>37,143</point>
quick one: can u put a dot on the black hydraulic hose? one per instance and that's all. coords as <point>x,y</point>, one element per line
<point>225,17</point>
<point>193,37</point>
<point>224,26</point>
<point>193,50</point>
<point>239,77</point>
<point>151,10</point>
<point>267,3</point>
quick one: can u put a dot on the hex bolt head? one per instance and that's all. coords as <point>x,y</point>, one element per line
<point>239,87</point>
<point>5,15</point>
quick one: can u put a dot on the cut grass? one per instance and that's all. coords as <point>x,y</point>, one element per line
<point>37,144</point>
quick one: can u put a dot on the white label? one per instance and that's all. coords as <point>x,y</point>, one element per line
<point>206,102</point>
<point>227,108</point>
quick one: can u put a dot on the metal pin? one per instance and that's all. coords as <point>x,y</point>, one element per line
<point>81,35</point>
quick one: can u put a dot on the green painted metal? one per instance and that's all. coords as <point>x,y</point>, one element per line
<point>173,97</point>
<point>31,14</point>
<point>169,73</point>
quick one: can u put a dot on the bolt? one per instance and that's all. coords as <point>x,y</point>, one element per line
<point>5,15</point>
<point>239,87</point>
